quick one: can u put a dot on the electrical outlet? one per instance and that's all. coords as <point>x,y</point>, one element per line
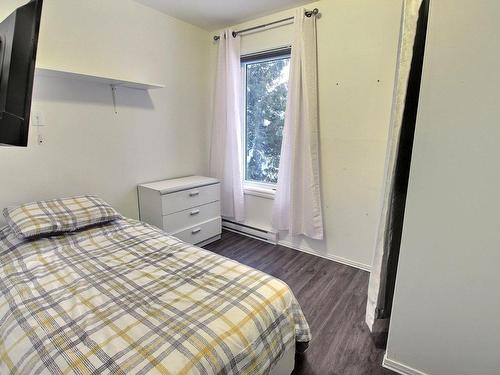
<point>40,140</point>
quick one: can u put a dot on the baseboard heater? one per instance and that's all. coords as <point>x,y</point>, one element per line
<point>247,230</point>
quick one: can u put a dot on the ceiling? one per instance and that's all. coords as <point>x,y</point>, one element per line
<point>215,14</point>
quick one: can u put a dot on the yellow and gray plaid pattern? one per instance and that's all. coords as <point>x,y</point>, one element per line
<point>124,298</point>
<point>58,215</point>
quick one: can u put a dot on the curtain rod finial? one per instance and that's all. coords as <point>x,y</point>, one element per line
<point>313,12</point>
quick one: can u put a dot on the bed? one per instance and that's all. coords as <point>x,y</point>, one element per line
<point>121,297</point>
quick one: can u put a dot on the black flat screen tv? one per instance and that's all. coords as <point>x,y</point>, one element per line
<point>18,45</point>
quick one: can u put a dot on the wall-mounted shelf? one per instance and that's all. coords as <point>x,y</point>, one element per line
<point>46,72</point>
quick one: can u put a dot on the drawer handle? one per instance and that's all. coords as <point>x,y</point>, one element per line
<point>197,230</point>
<point>194,193</point>
<point>194,213</point>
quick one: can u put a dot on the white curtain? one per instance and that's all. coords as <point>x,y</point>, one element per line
<point>377,286</point>
<point>297,205</point>
<point>225,151</point>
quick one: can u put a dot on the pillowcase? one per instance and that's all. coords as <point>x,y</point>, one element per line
<point>58,216</point>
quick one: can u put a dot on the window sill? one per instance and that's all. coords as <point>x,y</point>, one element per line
<point>259,192</point>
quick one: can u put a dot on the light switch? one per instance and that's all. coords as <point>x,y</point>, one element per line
<point>37,119</point>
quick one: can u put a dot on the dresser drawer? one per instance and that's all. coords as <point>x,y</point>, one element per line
<point>183,200</point>
<point>188,218</point>
<point>201,232</point>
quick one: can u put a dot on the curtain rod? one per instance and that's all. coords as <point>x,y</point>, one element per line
<point>307,13</point>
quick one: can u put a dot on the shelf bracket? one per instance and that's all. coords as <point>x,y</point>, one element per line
<point>113,95</point>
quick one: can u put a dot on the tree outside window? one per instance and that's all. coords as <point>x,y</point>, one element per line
<point>266,96</point>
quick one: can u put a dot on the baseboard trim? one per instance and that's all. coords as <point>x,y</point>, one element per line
<point>272,237</point>
<point>399,367</point>
<point>334,258</point>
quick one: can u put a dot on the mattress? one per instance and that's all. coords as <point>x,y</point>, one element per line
<point>125,298</point>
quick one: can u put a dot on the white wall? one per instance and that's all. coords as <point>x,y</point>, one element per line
<point>89,149</point>
<point>357,41</point>
<point>445,318</point>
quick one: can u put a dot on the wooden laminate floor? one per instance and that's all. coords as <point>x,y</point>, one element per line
<point>332,296</point>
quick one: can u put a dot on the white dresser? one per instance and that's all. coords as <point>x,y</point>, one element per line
<point>187,208</point>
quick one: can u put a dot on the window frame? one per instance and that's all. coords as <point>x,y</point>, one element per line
<point>256,188</point>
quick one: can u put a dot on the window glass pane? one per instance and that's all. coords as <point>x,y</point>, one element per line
<point>266,95</point>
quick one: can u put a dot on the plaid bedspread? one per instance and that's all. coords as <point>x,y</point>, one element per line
<point>124,298</point>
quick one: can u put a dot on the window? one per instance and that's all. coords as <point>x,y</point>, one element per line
<point>265,83</point>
